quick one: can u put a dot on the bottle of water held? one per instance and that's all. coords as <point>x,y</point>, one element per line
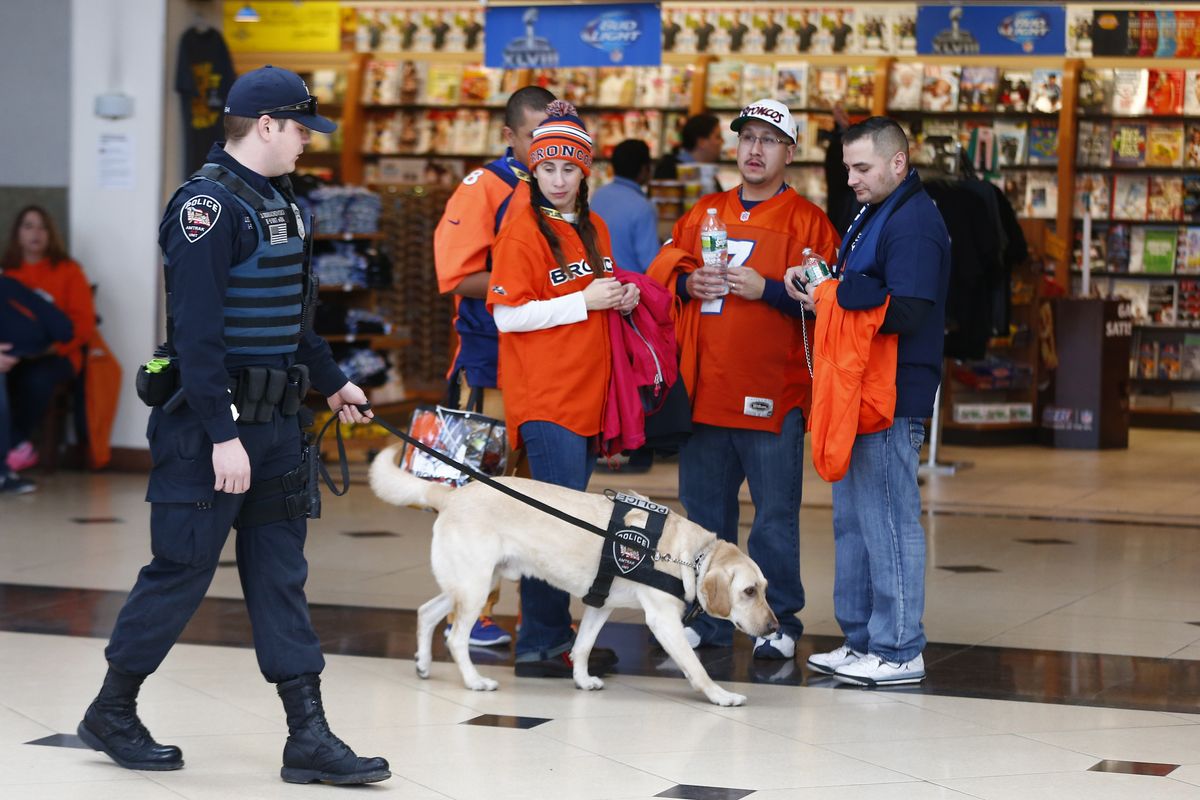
<point>713,247</point>
<point>816,271</point>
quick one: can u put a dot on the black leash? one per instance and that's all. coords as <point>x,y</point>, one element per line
<point>473,473</point>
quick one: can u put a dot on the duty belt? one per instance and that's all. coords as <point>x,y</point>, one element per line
<point>258,391</point>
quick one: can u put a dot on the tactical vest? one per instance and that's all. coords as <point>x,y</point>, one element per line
<point>264,303</point>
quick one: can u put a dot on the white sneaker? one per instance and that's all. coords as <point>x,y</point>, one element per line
<point>776,646</point>
<point>693,638</point>
<point>831,662</point>
<point>871,670</point>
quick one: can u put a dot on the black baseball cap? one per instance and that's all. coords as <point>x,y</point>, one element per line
<point>278,93</point>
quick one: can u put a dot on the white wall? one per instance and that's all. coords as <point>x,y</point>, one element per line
<point>35,61</point>
<point>120,45</point>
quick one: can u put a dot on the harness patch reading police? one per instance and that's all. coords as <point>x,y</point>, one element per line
<point>628,558</point>
<point>198,216</point>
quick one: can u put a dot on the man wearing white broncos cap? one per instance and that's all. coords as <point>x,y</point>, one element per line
<point>742,359</point>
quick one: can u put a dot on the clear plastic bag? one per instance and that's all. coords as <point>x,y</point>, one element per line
<point>473,439</point>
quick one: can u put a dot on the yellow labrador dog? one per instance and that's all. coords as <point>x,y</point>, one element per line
<point>482,535</point>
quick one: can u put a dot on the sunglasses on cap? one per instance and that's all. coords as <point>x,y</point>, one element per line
<point>308,106</point>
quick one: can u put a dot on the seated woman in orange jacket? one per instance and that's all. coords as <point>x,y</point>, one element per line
<point>36,257</point>
<point>551,286</point>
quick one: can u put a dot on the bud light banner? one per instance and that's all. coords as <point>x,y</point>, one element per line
<point>520,37</point>
<point>965,30</point>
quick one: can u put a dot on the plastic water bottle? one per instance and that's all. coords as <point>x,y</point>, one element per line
<point>714,247</point>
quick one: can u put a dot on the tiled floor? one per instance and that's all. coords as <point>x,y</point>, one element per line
<point>1084,597</point>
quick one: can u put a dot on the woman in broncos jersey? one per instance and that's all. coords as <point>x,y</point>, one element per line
<point>551,286</point>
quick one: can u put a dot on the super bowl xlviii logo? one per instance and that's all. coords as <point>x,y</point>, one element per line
<point>613,32</point>
<point>628,558</point>
<point>954,40</point>
<point>530,50</point>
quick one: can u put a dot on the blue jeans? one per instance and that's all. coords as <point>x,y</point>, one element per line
<point>558,456</point>
<point>712,466</point>
<point>879,545</point>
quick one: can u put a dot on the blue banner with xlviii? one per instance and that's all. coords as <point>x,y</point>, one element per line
<point>532,37</point>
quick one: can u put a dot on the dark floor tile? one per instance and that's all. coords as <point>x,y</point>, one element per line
<point>1045,540</point>
<point>229,563</point>
<point>968,568</point>
<point>1134,768</point>
<point>369,534</point>
<point>61,740</point>
<point>96,520</point>
<point>506,721</point>
<point>996,673</point>
<point>690,792</point>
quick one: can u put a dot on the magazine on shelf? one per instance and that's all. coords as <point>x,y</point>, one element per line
<point>1093,143</point>
<point>1129,144</point>
<point>1015,88</point>
<point>904,86</point>
<point>1093,186</point>
<point>1011,138</point>
<point>873,31</point>
<point>1129,197</point>
<point>1079,31</point>
<point>937,142</point>
<point>860,88</point>
<point>1164,94</point>
<point>1164,144</point>
<point>479,85</point>
<point>1043,141</point>
<point>1190,263</point>
<point>1130,87</point>
<point>1041,195</point>
<point>791,84</point>
<point>829,84</point>
<point>1191,145</point>
<point>758,81</point>
<point>1191,198</point>
<point>645,124</point>
<point>1137,250</point>
<point>1138,295</point>
<point>1045,95</point>
<point>939,90</point>
<point>1158,256</point>
<point>1095,91</point>
<point>977,88</point>
<point>442,82</point>
<point>903,21</point>
<point>1191,93</point>
<point>1164,198</point>
<point>1117,246</point>
<point>724,88</point>
<point>615,87</point>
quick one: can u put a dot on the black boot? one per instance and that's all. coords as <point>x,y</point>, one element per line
<point>111,725</point>
<point>312,752</point>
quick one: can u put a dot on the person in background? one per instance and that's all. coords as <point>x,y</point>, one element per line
<point>231,453</point>
<point>700,143</point>
<point>630,216</point>
<point>29,326</point>
<point>462,256</point>
<point>840,204</point>
<point>552,283</point>
<point>36,257</point>
<point>899,238</point>
<point>742,356</point>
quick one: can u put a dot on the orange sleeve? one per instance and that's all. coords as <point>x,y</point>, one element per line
<point>514,257</point>
<point>76,303</point>
<point>465,233</point>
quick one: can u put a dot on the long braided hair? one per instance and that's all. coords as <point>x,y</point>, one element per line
<point>587,230</point>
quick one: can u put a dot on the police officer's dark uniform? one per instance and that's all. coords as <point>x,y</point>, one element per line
<point>233,243</point>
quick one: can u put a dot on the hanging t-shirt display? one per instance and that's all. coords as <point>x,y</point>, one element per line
<point>202,78</point>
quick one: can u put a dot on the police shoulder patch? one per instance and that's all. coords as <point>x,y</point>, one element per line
<point>198,215</point>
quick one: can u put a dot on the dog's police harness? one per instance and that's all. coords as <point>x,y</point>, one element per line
<point>624,542</point>
<point>624,554</point>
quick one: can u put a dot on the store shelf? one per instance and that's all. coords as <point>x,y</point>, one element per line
<point>1169,418</point>
<point>1151,326</point>
<point>1140,276</point>
<point>1142,169</point>
<point>920,112</point>
<point>1165,383</point>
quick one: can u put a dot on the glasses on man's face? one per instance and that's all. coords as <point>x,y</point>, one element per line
<point>749,140</point>
<point>308,106</point>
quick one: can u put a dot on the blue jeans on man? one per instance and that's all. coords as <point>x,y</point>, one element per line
<point>559,456</point>
<point>879,562</point>
<point>712,465</point>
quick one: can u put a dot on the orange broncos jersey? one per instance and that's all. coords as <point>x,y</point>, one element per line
<point>752,370</point>
<point>558,374</point>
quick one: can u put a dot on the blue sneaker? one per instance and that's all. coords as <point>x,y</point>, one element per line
<point>486,633</point>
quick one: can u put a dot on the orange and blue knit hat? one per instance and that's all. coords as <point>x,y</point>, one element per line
<point>561,135</point>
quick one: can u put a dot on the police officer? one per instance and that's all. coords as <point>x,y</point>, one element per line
<point>239,300</point>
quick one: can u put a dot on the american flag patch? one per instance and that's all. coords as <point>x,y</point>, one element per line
<point>277,233</point>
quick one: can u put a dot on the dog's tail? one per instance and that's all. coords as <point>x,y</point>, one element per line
<point>396,485</point>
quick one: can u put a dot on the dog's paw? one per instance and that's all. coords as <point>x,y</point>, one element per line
<point>589,683</point>
<point>720,697</point>
<point>482,684</point>
<point>422,668</point>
